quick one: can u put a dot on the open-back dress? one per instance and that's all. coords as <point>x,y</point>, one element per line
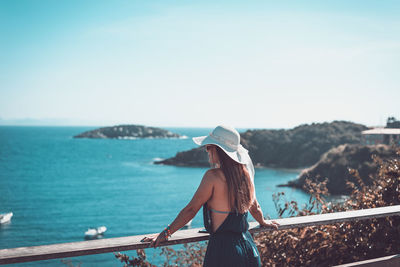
<point>231,244</point>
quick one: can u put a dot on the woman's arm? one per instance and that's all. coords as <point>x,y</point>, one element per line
<point>257,214</point>
<point>202,195</point>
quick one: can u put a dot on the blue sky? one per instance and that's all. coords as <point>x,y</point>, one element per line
<point>249,64</point>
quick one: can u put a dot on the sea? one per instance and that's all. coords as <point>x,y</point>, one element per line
<point>58,186</point>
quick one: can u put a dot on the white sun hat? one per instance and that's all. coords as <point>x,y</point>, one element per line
<point>228,139</point>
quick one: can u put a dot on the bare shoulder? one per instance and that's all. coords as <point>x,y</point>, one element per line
<point>213,175</point>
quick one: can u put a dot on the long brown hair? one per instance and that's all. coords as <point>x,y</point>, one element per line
<point>240,187</point>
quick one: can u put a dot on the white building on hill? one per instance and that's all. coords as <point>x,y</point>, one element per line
<point>388,136</point>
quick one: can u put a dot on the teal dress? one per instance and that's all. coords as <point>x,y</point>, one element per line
<point>231,245</point>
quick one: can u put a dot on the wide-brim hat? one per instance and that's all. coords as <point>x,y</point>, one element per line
<point>228,139</point>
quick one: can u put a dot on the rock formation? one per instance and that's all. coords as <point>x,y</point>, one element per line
<point>335,165</point>
<point>196,157</point>
<point>128,132</point>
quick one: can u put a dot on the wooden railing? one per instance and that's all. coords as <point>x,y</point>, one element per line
<point>64,250</point>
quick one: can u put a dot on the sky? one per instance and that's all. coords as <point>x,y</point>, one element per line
<point>249,64</point>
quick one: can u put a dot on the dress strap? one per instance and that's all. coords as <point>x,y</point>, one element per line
<point>217,211</point>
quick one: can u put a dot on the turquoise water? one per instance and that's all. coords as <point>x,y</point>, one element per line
<point>58,186</point>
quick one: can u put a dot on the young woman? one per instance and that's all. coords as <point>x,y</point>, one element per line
<point>226,194</point>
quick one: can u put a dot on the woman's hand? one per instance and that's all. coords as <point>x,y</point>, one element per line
<point>270,224</point>
<point>155,239</point>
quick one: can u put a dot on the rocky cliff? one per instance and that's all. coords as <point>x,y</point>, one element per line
<point>335,165</point>
<point>196,157</point>
<point>127,132</point>
<point>299,147</point>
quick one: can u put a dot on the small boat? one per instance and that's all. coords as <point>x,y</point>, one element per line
<point>5,217</point>
<point>187,225</point>
<point>95,232</point>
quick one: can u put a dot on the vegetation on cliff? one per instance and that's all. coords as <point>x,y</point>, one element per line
<point>335,164</point>
<point>128,131</point>
<point>299,147</point>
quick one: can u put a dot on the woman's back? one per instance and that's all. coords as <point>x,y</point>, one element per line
<point>230,243</point>
<point>218,204</point>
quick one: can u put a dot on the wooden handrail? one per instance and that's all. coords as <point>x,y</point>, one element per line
<point>64,250</point>
<point>387,261</point>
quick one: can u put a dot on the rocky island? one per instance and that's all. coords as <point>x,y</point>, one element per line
<point>299,147</point>
<point>337,162</point>
<point>128,132</point>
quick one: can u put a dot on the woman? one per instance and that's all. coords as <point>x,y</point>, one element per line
<point>226,194</point>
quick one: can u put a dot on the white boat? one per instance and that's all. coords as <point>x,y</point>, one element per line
<point>5,217</point>
<point>94,232</point>
<point>187,225</point>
